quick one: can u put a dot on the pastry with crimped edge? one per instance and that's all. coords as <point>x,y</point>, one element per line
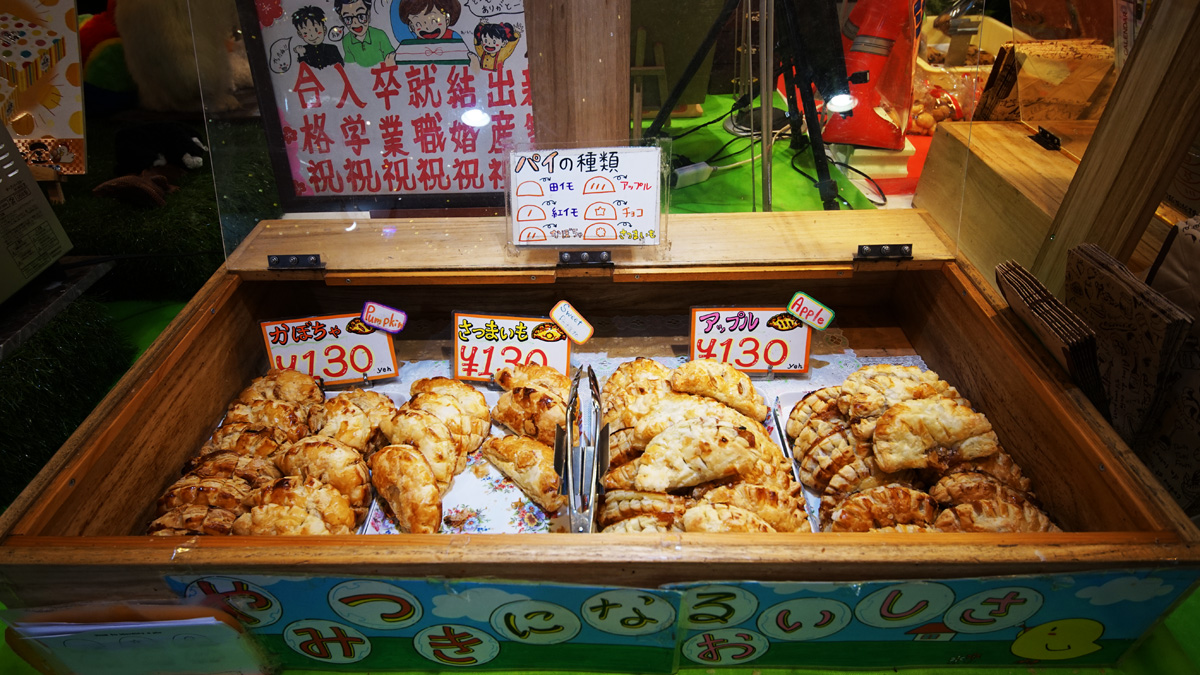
<point>229,493</point>
<point>1000,466</point>
<point>283,384</point>
<point>780,509</point>
<point>818,429</point>
<point>470,400</point>
<point>191,519</point>
<point>257,471</point>
<point>531,411</point>
<point>965,488</point>
<point>995,516</point>
<point>335,464</point>
<point>533,375</point>
<point>245,439</point>
<point>632,389</point>
<point>429,435</point>
<point>404,480</point>
<point>821,402</point>
<point>871,390</point>
<point>342,420</point>
<point>290,419</point>
<point>467,429</point>
<point>296,506</point>
<point>720,381</point>
<point>825,459</point>
<point>883,506</point>
<point>378,407</point>
<point>905,529</point>
<point>648,523</point>
<point>861,474</point>
<point>689,453</point>
<point>923,432</point>
<point>706,517</point>
<point>625,504</point>
<point>530,464</point>
<point>620,447</point>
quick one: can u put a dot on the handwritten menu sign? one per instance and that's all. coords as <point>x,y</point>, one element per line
<point>484,343</point>
<point>590,196</point>
<point>752,339</point>
<point>339,349</point>
<point>810,311</point>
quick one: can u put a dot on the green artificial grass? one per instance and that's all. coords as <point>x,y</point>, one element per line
<point>51,383</point>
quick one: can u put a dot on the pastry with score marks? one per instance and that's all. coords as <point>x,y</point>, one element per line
<point>244,439</point>
<point>467,430</point>
<point>189,519</point>
<point>925,432</point>
<point>257,471</point>
<point>404,480</point>
<point>284,384</point>
<point>995,516</point>
<point>342,420</point>
<point>334,464</point>
<point>720,381</point>
<point>645,523</point>
<point>861,474</point>
<point>825,459</point>
<point>778,508</point>
<point>706,517</point>
<point>689,453</point>
<point>871,390</point>
<point>822,402</point>
<point>626,504</point>
<point>531,411</point>
<point>529,464</point>
<point>884,506</point>
<point>229,493</point>
<point>534,375</point>
<point>426,432</point>
<point>470,401</point>
<point>289,419</point>
<point>632,390</point>
<point>296,506</point>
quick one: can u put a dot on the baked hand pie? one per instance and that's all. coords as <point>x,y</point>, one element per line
<point>529,464</point>
<point>283,384</point>
<point>923,432</point>
<point>778,508</point>
<point>404,480</point>
<point>229,493</point>
<point>995,516</point>
<point>675,408</point>
<point>290,419</point>
<point>378,407</point>
<point>531,411</point>
<point>965,488</point>
<point>244,439</point>
<point>821,402</point>
<point>825,459</point>
<point>689,453</point>
<point>335,464</point>
<point>632,390</point>
<point>1000,466</point>
<point>871,390</point>
<point>647,523</point>
<point>720,381</point>
<point>190,519</point>
<point>470,400</point>
<point>626,504</point>
<point>294,505</point>
<point>467,429</point>
<point>342,420</point>
<point>426,432</point>
<point>861,474</point>
<point>257,471</point>
<point>706,517</point>
<point>534,375</point>
<point>884,506</point>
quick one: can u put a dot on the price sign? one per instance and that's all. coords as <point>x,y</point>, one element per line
<point>338,349</point>
<point>751,339</point>
<point>484,343</point>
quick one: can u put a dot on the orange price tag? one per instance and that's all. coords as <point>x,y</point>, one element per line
<point>339,349</point>
<point>484,343</point>
<point>751,339</point>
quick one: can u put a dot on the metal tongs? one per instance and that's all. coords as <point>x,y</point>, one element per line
<point>581,456</point>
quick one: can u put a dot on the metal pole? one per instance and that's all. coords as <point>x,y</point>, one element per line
<point>766,92</point>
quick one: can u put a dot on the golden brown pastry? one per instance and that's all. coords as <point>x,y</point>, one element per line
<point>289,419</point>
<point>467,429</point>
<point>675,408</point>
<point>705,517</point>
<point>830,454</point>
<point>817,429</point>
<point>245,439</point>
<point>230,494</point>
<point>907,529</point>
<point>292,505</point>
<point>861,474</point>
<point>426,432</point>
<point>819,402</point>
<point>689,453</point>
<point>778,508</point>
<point>994,516</point>
<point>190,519</point>
<point>404,480</point>
<point>910,433</point>
<point>645,523</point>
<point>529,464</point>
<point>531,411</point>
<point>625,504</point>
<point>343,421</point>
<point>470,400</point>
<point>871,390</point>
<point>632,390</point>
<point>283,384</point>
<point>620,447</point>
<point>720,381</point>
<point>965,488</point>
<point>884,506</point>
<point>999,466</point>
<point>378,407</point>
<point>534,375</point>
<point>335,464</point>
<point>257,471</point>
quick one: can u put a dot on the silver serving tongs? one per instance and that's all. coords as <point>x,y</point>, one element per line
<point>781,436</point>
<point>578,459</point>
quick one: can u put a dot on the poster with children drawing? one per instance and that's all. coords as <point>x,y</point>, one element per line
<point>391,103</point>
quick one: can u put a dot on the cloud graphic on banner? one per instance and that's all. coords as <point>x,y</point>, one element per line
<point>280,56</point>
<point>476,603</point>
<point>486,8</point>
<point>1125,589</point>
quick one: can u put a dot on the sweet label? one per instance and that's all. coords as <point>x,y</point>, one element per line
<point>751,339</point>
<point>572,322</point>
<point>810,311</point>
<point>588,196</point>
<point>339,349</point>
<point>384,317</point>
<point>485,343</point>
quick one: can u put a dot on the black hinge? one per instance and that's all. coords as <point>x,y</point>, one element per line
<point>883,252</point>
<point>294,261</point>
<point>1046,139</point>
<point>584,258</point>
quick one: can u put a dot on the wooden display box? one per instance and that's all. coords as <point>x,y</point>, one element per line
<point>74,535</point>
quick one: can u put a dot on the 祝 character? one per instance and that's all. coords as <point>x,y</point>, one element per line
<point>425,19</point>
<point>494,42</point>
<point>363,43</point>
<point>310,26</point>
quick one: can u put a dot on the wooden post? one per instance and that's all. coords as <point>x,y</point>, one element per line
<point>579,69</point>
<point>1151,119</point>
